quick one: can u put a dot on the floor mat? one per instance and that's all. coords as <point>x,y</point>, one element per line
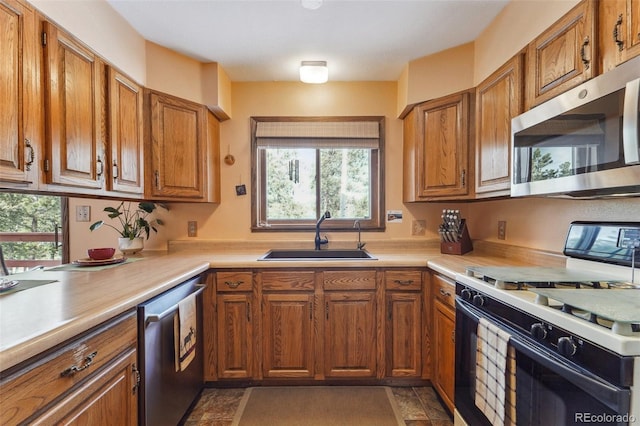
<point>318,406</point>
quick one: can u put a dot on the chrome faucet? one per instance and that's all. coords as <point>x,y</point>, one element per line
<point>361,245</point>
<point>320,241</point>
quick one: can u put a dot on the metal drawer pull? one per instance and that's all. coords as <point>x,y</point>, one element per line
<point>234,284</point>
<point>74,369</point>
<point>31,156</point>
<point>616,33</point>
<point>583,55</point>
<point>403,282</point>
<point>136,372</point>
<point>444,292</point>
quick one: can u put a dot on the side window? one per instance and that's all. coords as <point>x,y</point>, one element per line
<point>33,230</point>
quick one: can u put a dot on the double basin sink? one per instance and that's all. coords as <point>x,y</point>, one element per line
<point>304,254</point>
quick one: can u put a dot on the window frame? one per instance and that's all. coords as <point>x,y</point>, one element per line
<point>258,179</point>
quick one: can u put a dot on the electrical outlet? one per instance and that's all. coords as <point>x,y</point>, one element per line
<point>83,213</point>
<point>192,228</point>
<point>418,227</point>
<point>502,229</point>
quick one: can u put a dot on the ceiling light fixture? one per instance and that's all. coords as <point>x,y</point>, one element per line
<point>314,72</point>
<point>311,4</point>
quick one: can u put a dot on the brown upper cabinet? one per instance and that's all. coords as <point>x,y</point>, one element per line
<point>19,140</point>
<point>619,23</point>
<point>126,153</point>
<point>498,100</point>
<point>182,152</point>
<point>436,149</point>
<point>563,56</point>
<point>74,111</point>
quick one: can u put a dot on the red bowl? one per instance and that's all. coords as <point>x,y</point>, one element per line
<point>101,253</point>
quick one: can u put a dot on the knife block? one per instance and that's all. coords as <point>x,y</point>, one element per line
<point>462,246</point>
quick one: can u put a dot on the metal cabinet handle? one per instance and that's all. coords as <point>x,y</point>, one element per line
<point>326,309</point>
<point>234,284</point>
<point>453,336</point>
<point>248,311</point>
<point>616,33</point>
<point>74,368</point>
<point>115,170</point>
<point>99,167</point>
<point>463,177</point>
<point>31,156</point>
<point>156,175</point>
<point>583,56</point>
<point>136,373</point>
<point>444,292</point>
<point>403,282</point>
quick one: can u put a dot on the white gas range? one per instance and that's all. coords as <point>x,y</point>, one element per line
<point>576,331</point>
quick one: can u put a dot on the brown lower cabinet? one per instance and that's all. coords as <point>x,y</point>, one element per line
<point>444,328</point>
<point>90,380</point>
<point>312,324</point>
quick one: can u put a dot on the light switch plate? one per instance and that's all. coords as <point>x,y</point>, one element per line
<point>192,228</point>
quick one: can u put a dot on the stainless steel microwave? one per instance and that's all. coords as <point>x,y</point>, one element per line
<point>582,143</point>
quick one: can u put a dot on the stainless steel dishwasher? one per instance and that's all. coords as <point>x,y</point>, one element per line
<point>166,394</point>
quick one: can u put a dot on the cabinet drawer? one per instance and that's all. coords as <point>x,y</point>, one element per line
<point>349,280</point>
<point>444,290</point>
<point>288,280</point>
<point>403,280</point>
<point>33,388</point>
<point>234,281</point>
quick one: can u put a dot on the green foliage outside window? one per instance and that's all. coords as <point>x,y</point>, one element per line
<point>29,213</point>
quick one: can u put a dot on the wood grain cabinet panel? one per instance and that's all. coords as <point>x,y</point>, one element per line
<point>74,111</point>
<point>436,157</point>
<point>444,319</point>
<point>404,334</point>
<point>288,335</point>
<point>96,373</point>
<point>19,140</point>
<point>126,138</point>
<point>177,151</point>
<point>563,56</point>
<point>444,338</point>
<point>235,335</point>
<point>619,30</point>
<point>350,334</point>
<point>498,100</point>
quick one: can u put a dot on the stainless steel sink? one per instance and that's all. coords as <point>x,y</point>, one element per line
<point>304,254</point>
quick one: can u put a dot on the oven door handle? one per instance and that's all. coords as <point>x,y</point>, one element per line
<point>612,396</point>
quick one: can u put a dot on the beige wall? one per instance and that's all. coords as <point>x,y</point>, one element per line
<point>232,218</point>
<point>515,26</point>
<point>537,223</point>
<point>101,28</point>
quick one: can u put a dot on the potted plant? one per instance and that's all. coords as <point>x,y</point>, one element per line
<point>134,224</point>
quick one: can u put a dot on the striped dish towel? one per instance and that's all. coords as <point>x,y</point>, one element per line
<point>495,374</point>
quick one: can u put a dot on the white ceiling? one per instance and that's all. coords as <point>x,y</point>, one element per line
<point>265,40</point>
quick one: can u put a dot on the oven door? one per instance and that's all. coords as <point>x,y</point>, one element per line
<point>550,390</point>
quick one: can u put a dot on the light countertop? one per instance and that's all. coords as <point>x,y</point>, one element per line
<point>34,320</point>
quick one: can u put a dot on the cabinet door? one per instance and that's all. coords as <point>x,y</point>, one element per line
<point>350,334</point>
<point>74,111</point>
<point>443,147</point>
<point>126,137</point>
<point>619,23</point>
<point>18,117</point>
<point>444,336</point>
<point>109,398</point>
<point>563,56</point>
<point>177,147</point>
<point>404,331</point>
<point>498,100</point>
<point>234,336</point>
<point>287,335</point>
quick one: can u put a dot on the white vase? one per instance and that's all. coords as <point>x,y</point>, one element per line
<point>130,246</point>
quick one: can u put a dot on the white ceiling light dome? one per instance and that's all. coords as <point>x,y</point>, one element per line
<point>311,4</point>
<point>315,72</point>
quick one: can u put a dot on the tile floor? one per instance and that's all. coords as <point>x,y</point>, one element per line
<point>419,407</point>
